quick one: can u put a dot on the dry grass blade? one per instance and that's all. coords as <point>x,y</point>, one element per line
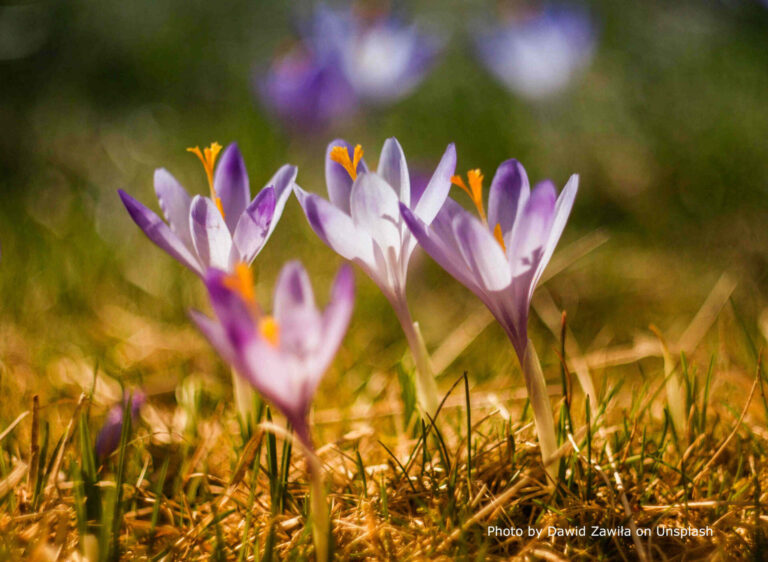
<point>736,426</point>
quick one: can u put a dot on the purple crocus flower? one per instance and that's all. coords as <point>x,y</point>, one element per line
<point>217,231</point>
<point>282,356</point>
<point>307,90</point>
<point>501,256</point>
<point>362,223</point>
<point>537,55</point>
<point>382,57</point>
<point>108,438</point>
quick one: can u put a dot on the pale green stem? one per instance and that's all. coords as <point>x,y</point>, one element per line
<point>542,408</point>
<point>427,394</point>
<point>675,396</point>
<point>318,502</point>
<point>244,395</point>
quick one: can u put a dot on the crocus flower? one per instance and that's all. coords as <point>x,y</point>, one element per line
<point>307,90</point>
<point>344,59</point>
<point>501,256</point>
<point>382,57</point>
<point>108,438</point>
<point>285,355</point>
<point>362,223</point>
<point>537,55</point>
<point>217,231</point>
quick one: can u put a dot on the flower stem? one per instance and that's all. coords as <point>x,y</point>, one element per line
<point>244,395</point>
<point>318,502</point>
<point>542,408</point>
<point>427,394</point>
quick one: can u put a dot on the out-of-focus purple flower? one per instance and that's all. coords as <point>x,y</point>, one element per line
<point>501,256</point>
<point>306,89</point>
<point>217,231</point>
<point>345,59</point>
<point>382,57</point>
<point>108,438</point>
<point>283,356</point>
<point>537,55</point>
<point>362,223</point>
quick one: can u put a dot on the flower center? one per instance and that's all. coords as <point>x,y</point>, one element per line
<point>208,158</point>
<point>270,330</point>
<point>241,282</point>
<point>475,192</point>
<point>340,155</point>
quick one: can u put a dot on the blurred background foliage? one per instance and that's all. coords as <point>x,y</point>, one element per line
<point>668,128</point>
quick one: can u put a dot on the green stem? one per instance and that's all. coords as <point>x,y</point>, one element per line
<point>244,394</point>
<point>318,502</point>
<point>542,408</point>
<point>427,394</point>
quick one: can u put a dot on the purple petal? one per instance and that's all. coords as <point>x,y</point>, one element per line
<point>216,335</point>
<point>394,169</point>
<point>108,438</point>
<point>336,315</point>
<point>482,253</point>
<point>562,212</point>
<point>159,232</point>
<point>295,311</point>
<point>279,377</point>
<point>374,208</point>
<point>282,182</point>
<point>174,201</point>
<point>231,184</point>
<point>210,234</point>
<point>233,313</point>
<point>336,228</point>
<point>337,179</point>
<point>254,225</point>
<point>441,246</point>
<point>427,204</point>
<point>531,229</point>
<point>508,194</point>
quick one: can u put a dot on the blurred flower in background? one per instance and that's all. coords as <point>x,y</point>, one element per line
<point>346,58</point>
<point>109,436</point>
<point>306,89</point>
<point>536,54</point>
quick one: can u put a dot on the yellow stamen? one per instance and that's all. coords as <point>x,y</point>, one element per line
<point>208,158</point>
<point>499,236</point>
<point>241,282</point>
<point>340,155</point>
<point>270,330</point>
<point>475,190</point>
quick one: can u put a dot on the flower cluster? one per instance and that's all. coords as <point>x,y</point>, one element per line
<point>374,219</point>
<point>347,58</point>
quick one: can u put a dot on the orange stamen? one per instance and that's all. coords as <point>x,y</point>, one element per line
<point>208,158</point>
<point>241,282</point>
<point>475,190</point>
<point>340,155</point>
<point>499,236</point>
<point>270,330</point>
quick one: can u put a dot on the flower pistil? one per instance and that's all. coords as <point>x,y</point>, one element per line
<point>340,155</point>
<point>475,192</point>
<point>208,158</point>
<point>241,282</point>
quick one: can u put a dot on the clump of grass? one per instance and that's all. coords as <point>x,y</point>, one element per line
<point>431,491</point>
